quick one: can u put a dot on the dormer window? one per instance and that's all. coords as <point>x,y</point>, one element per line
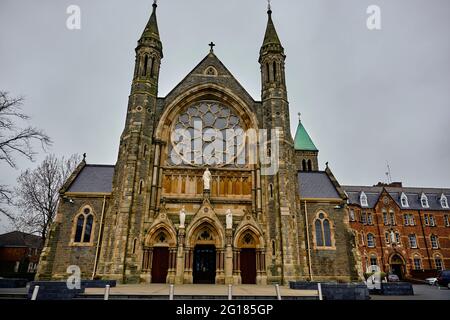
<point>363,200</point>
<point>444,201</point>
<point>424,201</point>
<point>404,200</point>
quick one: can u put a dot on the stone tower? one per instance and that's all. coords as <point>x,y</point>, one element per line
<point>133,182</point>
<point>280,200</point>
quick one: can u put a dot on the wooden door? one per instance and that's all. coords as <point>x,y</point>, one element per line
<point>160,264</point>
<point>248,266</point>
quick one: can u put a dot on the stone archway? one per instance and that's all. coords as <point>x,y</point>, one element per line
<point>249,265</point>
<point>204,253</point>
<point>397,265</point>
<point>159,256</point>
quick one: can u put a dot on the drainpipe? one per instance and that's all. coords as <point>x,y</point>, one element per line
<point>308,244</point>
<point>100,234</point>
<point>425,239</point>
<point>381,240</point>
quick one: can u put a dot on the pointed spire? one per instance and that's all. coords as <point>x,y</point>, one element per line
<point>151,30</point>
<point>302,140</point>
<point>271,36</point>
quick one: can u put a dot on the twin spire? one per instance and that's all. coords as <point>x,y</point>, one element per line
<point>151,29</point>
<point>270,38</point>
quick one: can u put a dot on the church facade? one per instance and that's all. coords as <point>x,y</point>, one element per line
<point>209,187</point>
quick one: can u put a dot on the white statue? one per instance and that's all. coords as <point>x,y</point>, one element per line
<point>393,238</point>
<point>207,179</point>
<point>182,217</point>
<point>229,219</point>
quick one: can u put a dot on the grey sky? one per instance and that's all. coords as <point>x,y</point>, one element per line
<point>365,96</point>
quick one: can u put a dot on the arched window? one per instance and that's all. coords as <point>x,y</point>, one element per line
<point>363,199</point>
<point>144,69</point>
<point>88,228</point>
<point>424,201</point>
<point>273,248</point>
<point>79,230</point>
<point>438,263</point>
<point>385,217</point>
<point>373,260</point>
<point>444,201</point>
<point>267,73</point>
<point>304,167</point>
<point>434,241</point>
<point>370,240</point>
<point>152,67</point>
<point>319,233</point>
<point>84,225</point>
<point>309,165</point>
<point>271,191</point>
<point>274,71</point>
<point>323,231</point>
<point>404,200</point>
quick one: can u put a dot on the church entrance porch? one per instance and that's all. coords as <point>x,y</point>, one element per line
<point>160,264</point>
<point>204,264</point>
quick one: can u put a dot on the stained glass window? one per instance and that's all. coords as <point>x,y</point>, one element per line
<point>207,133</point>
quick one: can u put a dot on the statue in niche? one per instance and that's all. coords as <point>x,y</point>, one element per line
<point>207,179</point>
<point>182,217</point>
<point>229,219</point>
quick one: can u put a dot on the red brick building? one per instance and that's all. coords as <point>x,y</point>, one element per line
<point>19,254</point>
<point>401,230</point>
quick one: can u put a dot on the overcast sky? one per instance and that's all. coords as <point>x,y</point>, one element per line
<point>366,97</point>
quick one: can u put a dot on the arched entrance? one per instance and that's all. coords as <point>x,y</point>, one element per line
<point>397,265</point>
<point>206,258</point>
<point>248,257</point>
<point>159,255</point>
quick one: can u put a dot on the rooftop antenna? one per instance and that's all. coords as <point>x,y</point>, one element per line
<point>388,173</point>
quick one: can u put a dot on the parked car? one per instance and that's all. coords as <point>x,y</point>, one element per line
<point>431,281</point>
<point>443,278</point>
<point>393,278</point>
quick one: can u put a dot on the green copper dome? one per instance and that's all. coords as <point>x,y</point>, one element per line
<point>302,140</point>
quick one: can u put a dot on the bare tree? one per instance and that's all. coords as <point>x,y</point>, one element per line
<point>37,193</point>
<point>16,139</point>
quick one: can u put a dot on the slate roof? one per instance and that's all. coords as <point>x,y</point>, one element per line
<point>93,178</point>
<point>316,185</point>
<point>413,194</point>
<point>20,239</point>
<point>302,139</point>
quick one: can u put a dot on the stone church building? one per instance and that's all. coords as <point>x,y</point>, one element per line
<point>177,208</point>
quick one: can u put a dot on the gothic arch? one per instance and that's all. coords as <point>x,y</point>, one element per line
<point>154,236</point>
<point>205,231</point>
<point>248,225</point>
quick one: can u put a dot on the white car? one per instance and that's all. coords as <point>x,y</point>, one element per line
<point>431,281</point>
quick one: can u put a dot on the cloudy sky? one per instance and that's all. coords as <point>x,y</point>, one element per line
<point>366,97</point>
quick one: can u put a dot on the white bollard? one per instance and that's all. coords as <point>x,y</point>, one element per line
<point>277,289</point>
<point>35,293</point>
<point>319,288</point>
<point>230,292</point>
<point>171,291</point>
<point>107,288</point>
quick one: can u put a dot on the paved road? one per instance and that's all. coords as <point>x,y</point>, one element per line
<point>421,292</point>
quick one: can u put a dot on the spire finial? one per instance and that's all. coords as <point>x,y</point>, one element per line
<point>84,157</point>
<point>212,45</point>
<point>299,117</point>
<point>155,3</point>
<point>269,7</point>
